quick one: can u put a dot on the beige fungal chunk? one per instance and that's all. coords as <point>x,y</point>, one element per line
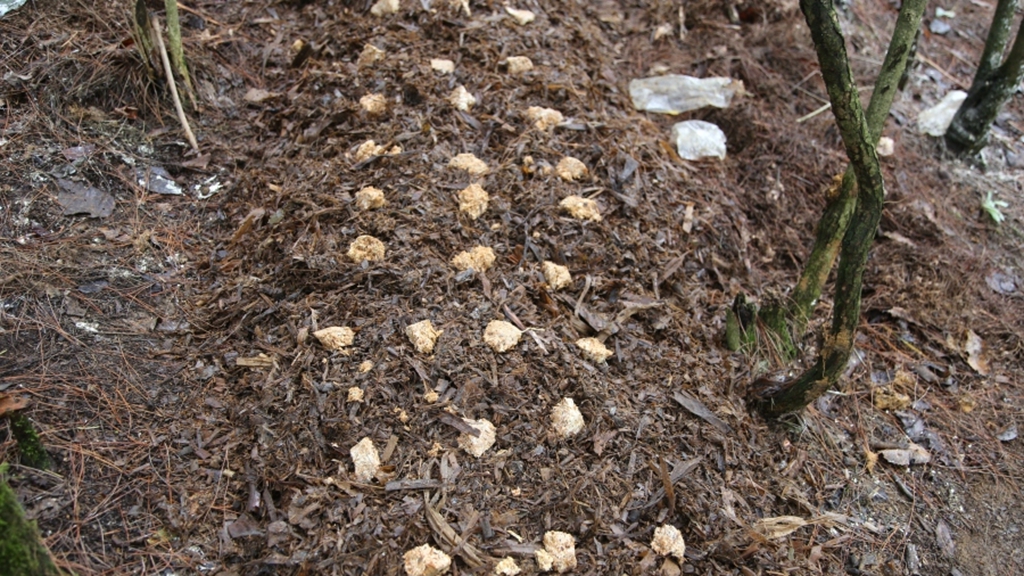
<point>501,336</point>
<point>369,198</point>
<point>364,456</point>
<point>461,99</point>
<point>365,366</point>
<point>423,336</point>
<point>442,65</point>
<point>668,540</point>
<point>480,259</point>
<point>384,7</point>
<point>544,560</point>
<point>886,146</point>
<point>431,396</point>
<point>522,17</point>
<point>570,169</point>
<point>556,275</point>
<point>368,150</point>
<point>506,567</point>
<point>544,118</point>
<point>470,163</point>
<point>566,418</point>
<point>366,248</point>
<point>519,64</point>
<point>593,349</point>
<point>374,103</point>
<point>473,201</point>
<point>369,56</point>
<point>562,549</point>
<point>426,560</point>
<point>581,208</point>
<point>355,394</point>
<point>335,337</point>
<point>477,445</point>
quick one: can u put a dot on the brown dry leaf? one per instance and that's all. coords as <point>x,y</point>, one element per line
<point>247,223</point>
<point>260,361</point>
<point>10,404</point>
<point>257,95</point>
<point>975,350</point>
<point>601,439</point>
<point>870,460</point>
<point>779,526</point>
<point>913,454</point>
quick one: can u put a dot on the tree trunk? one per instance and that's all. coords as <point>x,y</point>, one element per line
<point>842,195</point>
<point>22,553</point>
<point>995,42</point>
<point>828,39</point>
<point>968,133</point>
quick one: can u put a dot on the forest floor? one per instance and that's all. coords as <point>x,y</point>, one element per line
<point>165,343</point>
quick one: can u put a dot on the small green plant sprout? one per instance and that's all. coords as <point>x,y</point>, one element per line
<point>992,206</point>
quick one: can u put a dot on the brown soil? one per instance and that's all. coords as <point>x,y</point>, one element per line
<point>198,426</point>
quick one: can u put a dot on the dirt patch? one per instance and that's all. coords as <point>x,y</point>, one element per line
<point>168,348</point>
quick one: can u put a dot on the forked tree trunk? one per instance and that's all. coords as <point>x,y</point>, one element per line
<point>842,196</point>
<point>780,398</point>
<point>993,85</point>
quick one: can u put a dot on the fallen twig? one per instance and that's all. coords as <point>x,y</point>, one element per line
<point>174,89</point>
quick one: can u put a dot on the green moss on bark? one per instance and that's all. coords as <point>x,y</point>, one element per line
<point>33,454</point>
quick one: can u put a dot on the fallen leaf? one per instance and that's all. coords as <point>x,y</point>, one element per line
<point>944,538</point>
<point>1001,283</point>
<point>261,361</point>
<point>10,404</point>
<point>601,439</point>
<point>257,95</point>
<point>975,350</point>
<point>779,526</point>
<point>697,408</point>
<point>155,179</point>
<point>81,199</point>
<point>905,457</point>
<point>1005,436</point>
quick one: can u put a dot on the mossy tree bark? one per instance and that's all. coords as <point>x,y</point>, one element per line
<point>842,195</point>
<point>33,453</point>
<point>992,86</point>
<point>860,148</point>
<point>22,552</point>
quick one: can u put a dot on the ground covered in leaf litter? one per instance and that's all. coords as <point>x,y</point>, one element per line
<point>169,346</point>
